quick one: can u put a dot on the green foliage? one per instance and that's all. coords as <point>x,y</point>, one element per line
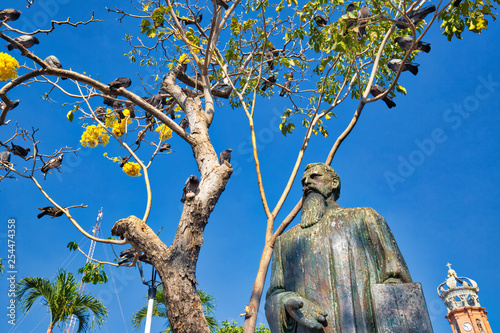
<point>72,246</point>
<point>160,310</point>
<point>93,273</point>
<point>470,14</point>
<point>63,299</point>
<point>232,327</point>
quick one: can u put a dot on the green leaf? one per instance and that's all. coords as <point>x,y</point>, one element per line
<point>72,246</point>
<point>70,115</point>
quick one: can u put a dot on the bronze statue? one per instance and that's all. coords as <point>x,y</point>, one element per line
<point>323,268</point>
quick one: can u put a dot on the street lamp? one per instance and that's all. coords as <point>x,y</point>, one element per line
<point>152,285</point>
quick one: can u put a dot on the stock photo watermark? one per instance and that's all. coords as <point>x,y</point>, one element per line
<point>453,117</point>
<point>11,271</point>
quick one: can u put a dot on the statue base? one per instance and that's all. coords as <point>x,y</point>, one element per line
<point>400,308</point>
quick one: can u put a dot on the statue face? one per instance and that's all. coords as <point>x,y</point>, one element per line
<point>317,179</point>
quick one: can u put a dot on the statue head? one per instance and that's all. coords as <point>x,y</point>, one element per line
<point>320,178</point>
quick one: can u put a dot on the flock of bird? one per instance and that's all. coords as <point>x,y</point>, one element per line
<point>360,21</point>
<point>191,187</point>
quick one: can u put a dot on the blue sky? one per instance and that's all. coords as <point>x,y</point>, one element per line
<point>428,168</point>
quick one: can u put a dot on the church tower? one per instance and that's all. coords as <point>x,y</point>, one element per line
<point>464,312</point>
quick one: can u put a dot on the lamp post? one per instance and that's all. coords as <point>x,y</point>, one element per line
<point>152,285</point>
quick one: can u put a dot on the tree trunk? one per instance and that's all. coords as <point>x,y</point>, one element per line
<point>49,330</point>
<point>176,264</point>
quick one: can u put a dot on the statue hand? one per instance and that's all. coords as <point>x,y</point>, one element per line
<point>305,312</point>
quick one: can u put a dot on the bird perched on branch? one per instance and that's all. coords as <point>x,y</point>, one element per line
<point>127,256</point>
<point>222,3</point>
<point>51,211</point>
<point>184,123</point>
<point>53,62</point>
<point>140,136</point>
<point>394,64</point>
<point>26,41</point>
<point>320,20</point>
<point>118,108</point>
<point>121,82</point>
<point>376,90</point>
<point>405,44</point>
<point>109,101</point>
<point>225,156</point>
<point>197,19</point>
<point>53,163</point>
<point>190,188</point>
<point>13,105</point>
<point>350,21</point>
<point>4,159</point>
<point>363,14</point>
<point>100,113</point>
<point>9,14</point>
<point>415,16</point>
<point>287,84</point>
<point>268,82</point>
<point>19,151</point>
<point>165,147</point>
<point>124,160</point>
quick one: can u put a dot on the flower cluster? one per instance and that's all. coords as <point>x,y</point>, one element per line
<point>93,136</point>
<point>165,132</point>
<point>132,169</point>
<point>119,125</point>
<point>8,66</point>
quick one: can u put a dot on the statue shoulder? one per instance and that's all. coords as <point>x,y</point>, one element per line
<point>363,211</point>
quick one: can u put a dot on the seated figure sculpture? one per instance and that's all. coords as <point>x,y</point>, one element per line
<point>323,268</point>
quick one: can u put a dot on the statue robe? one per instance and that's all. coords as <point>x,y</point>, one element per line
<point>333,263</point>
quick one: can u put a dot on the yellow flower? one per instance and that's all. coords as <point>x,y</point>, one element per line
<point>132,169</point>
<point>93,136</point>
<point>8,66</point>
<point>165,132</point>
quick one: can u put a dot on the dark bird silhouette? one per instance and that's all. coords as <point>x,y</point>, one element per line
<point>269,82</point>
<point>320,20</point>
<point>376,90</point>
<point>140,136</point>
<point>26,41</point>
<point>287,85</point>
<point>124,160</point>
<point>191,186</point>
<point>408,66</point>
<point>127,256</point>
<point>13,105</point>
<point>100,113</point>
<point>456,3</point>
<point>121,82</point>
<point>155,101</point>
<point>405,44</point>
<point>415,16</point>
<point>363,14</point>
<point>53,163</point>
<point>197,19</point>
<point>109,101</point>
<point>4,159</point>
<point>225,156</point>
<point>150,121</point>
<point>350,21</point>
<point>184,123</point>
<point>50,211</point>
<point>222,3</point>
<point>9,14</point>
<point>53,62</point>
<point>19,151</point>
<point>164,147</point>
<point>118,108</point>
<point>270,60</point>
<point>131,109</point>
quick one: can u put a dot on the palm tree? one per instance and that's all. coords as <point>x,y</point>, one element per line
<point>63,300</point>
<point>160,310</point>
